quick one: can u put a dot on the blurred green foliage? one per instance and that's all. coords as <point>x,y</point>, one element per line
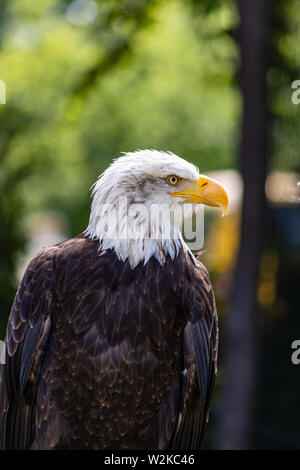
<point>173,91</point>
<point>284,69</point>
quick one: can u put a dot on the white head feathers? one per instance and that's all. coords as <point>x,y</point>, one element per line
<point>132,211</point>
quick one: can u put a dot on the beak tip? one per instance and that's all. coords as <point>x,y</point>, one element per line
<point>224,211</point>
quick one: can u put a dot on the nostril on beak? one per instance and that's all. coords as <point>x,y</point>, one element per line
<point>203,185</point>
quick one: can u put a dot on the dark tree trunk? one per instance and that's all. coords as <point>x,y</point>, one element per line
<point>240,328</point>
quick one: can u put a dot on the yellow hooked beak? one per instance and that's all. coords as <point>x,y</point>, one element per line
<point>205,191</point>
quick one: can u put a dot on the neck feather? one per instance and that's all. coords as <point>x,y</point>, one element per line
<point>136,235</point>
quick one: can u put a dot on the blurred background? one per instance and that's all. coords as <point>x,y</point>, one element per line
<point>210,81</point>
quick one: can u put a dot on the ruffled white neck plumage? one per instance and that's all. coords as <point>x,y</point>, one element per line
<point>134,236</point>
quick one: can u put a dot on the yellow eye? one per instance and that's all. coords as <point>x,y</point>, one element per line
<point>173,180</point>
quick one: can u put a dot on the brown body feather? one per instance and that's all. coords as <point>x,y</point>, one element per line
<point>102,356</point>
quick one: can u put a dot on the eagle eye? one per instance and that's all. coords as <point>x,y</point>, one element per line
<point>173,180</point>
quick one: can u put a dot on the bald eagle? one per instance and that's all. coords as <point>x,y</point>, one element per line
<point>112,337</point>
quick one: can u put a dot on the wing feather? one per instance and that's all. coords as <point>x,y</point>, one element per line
<point>200,364</point>
<point>26,339</point>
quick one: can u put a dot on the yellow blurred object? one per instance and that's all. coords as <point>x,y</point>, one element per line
<point>223,242</point>
<point>266,292</point>
<point>267,279</point>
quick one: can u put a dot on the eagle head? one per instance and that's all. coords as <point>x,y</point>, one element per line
<point>141,200</point>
